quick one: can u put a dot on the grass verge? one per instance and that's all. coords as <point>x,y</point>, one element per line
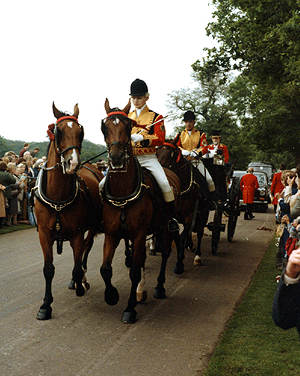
<point>7,229</point>
<point>251,344</point>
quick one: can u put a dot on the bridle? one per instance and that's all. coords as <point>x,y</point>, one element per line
<point>125,147</point>
<point>54,136</point>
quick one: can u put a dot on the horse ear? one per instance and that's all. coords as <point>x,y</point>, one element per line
<point>127,107</point>
<point>56,112</point>
<point>106,106</point>
<point>76,110</point>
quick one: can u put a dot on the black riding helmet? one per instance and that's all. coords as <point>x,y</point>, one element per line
<point>138,88</point>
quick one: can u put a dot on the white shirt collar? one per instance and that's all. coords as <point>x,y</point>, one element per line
<point>139,110</point>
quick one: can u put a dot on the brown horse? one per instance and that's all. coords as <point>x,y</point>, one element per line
<point>67,202</point>
<point>192,210</point>
<point>131,210</point>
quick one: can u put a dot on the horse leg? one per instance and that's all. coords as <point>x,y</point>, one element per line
<point>200,232</point>
<point>138,262</point>
<point>87,246</point>
<point>111,294</point>
<point>197,258</point>
<point>45,310</point>
<point>141,293</point>
<point>160,292</point>
<point>78,272</point>
<point>128,253</point>
<point>180,242</point>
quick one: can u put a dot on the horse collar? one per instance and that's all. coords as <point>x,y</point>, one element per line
<point>123,201</point>
<point>56,205</point>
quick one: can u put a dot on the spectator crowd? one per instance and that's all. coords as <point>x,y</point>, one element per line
<point>285,196</point>
<point>18,173</point>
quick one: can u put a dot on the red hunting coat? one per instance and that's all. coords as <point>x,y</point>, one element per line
<point>276,186</point>
<point>248,184</point>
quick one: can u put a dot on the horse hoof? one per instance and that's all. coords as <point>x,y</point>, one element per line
<point>80,290</point>
<point>129,317</point>
<point>111,296</point>
<point>179,269</point>
<point>197,260</point>
<point>141,297</point>
<point>159,293</point>
<point>44,313</point>
<point>71,285</point>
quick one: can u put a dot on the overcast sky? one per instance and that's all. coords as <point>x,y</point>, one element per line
<point>82,51</point>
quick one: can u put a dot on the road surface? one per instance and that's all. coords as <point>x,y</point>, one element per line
<point>85,337</point>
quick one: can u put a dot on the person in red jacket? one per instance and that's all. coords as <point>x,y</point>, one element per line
<point>276,187</point>
<point>248,185</point>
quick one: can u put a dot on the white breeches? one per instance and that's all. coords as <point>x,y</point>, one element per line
<point>150,162</point>
<point>204,172</point>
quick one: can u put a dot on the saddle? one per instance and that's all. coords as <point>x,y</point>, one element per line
<point>157,194</point>
<point>145,181</point>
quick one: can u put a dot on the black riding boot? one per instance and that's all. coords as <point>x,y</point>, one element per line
<point>172,223</point>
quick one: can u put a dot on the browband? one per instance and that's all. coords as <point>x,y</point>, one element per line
<point>66,118</point>
<point>117,113</point>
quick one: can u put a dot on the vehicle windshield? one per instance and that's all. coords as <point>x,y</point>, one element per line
<point>262,179</point>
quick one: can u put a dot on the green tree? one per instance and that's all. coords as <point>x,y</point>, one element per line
<point>260,38</point>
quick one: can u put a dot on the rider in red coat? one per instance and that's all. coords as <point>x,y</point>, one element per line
<point>277,186</point>
<point>248,185</point>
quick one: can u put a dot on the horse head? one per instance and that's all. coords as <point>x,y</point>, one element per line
<point>169,154</point>
<point>67,136</point>
<point>116,128</point>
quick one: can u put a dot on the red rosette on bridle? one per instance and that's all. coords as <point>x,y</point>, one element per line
<point>50,131</point>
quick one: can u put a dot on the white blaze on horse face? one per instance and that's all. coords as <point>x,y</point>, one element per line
<point>70,124</point>
<point>73,161</point>
<point>116,121</point>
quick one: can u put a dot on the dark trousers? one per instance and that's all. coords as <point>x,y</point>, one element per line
<point>248,211</point>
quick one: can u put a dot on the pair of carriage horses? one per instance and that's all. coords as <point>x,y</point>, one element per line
<point>68,206</point>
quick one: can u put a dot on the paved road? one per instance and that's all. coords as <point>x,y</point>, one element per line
<point>175,336</point>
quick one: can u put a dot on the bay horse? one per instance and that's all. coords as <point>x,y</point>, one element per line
<point>67,203</point>
<point>193,209</point>
<point>130,211</point>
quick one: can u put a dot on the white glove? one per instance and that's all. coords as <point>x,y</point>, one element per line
<point>135,137</point>
<point>185,152</point>
<point>194,154</point>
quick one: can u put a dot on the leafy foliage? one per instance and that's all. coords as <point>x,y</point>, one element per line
<point>260,38</point>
